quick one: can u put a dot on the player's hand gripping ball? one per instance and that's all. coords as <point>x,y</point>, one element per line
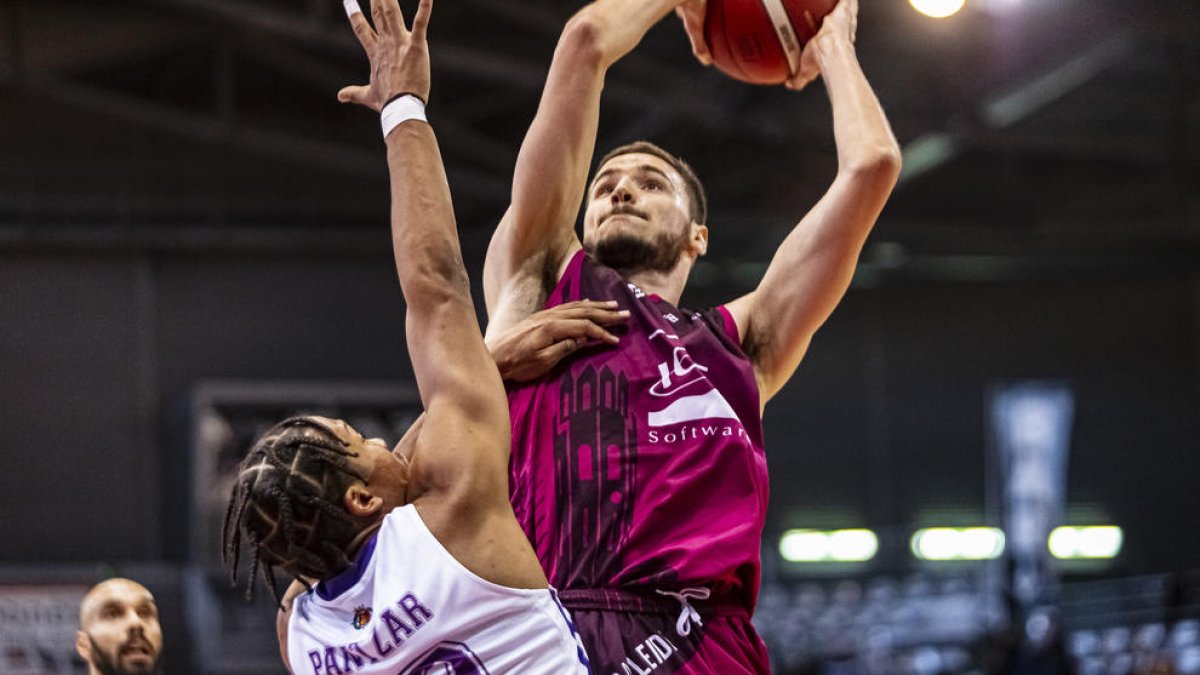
<point>760,41</point>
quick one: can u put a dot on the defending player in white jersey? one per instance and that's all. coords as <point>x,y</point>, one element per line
<point>408,561</point>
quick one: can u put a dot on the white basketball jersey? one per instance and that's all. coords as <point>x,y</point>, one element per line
<point>415,610</point>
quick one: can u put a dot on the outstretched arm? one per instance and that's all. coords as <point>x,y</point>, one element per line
<point>537,234</point>
<point>466,408</point>
<point>812,269</point>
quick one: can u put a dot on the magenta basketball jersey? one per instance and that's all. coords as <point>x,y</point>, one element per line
<point>640,466</point>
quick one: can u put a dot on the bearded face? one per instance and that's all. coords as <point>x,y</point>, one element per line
<point>630,250</point>
<point>119,632</point>
<point>134,657</point>
<point>637,215</point>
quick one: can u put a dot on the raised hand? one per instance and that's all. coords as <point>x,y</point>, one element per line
<point>692,14</point>
<point>399,56</point>
<point>841,23</point>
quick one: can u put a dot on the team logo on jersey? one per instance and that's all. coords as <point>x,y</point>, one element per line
<point>678,374</point>
<point>362,617</point>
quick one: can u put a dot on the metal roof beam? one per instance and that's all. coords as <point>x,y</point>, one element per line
<point>932,150</point>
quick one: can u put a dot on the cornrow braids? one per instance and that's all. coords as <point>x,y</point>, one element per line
<point>287,505</point>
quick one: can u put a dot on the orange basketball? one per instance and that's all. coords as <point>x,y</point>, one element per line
<point>760,41</point>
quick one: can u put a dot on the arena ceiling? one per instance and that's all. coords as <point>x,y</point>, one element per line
<point>1039,135</point>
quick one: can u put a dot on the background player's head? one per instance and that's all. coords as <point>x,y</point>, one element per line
<point>307,493</point>
<point>119,632</point>
<point>646,210</point>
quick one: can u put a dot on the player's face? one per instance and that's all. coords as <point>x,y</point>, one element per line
<point>119,629</point>
<point>637,215</point>
<point>386,470</point>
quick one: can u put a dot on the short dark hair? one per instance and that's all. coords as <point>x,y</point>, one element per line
<point>287,504</point>
<point>695,189</point>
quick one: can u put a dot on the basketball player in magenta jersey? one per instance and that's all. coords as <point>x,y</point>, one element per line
<point>638,471</point>
<point>409,561</point>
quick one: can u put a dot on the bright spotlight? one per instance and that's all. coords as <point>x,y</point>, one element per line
<point>804,546</point>
<point>935,543</point>
<point>834,546</point>
<point>1086,543</point>
<point>938,9</point>
<point>958,543</point>
<point>853,545</point>
<point>982,543</point>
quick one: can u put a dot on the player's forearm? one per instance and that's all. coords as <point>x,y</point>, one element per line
<point>424,235</point>
<point>865,142</point>
<point>814,265</point>
<point>450,362</point>
<point>614,27</point>
<point>552,167</point>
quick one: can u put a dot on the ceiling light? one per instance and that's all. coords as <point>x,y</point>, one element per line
<point>937,9</point>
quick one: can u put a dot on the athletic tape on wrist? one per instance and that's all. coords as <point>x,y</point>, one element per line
<point>401,109</point>
<point>352,7</point>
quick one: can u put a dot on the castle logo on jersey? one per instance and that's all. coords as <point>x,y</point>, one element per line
<point>362,617</point>
<point>595,460</point>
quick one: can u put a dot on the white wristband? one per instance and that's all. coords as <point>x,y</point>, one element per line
<point>400,110</point>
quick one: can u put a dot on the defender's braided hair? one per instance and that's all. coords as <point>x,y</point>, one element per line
<point>287,503</point>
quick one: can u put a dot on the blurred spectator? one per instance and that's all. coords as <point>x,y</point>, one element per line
<point>119,633</point>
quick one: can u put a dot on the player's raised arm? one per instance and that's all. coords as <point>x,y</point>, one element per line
<point>537,233</point>
<point>812,269</point>
<point>457,379</point>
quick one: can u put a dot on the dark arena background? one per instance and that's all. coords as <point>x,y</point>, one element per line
<point>988,462</point>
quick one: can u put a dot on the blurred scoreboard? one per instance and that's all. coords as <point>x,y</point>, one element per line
<point>37,629</point>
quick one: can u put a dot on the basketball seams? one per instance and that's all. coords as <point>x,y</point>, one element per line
<point>720,40</point>
<point>785,32</point>
<point>762,41</point>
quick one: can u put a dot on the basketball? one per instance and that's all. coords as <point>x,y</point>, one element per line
<point>760,41</point>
